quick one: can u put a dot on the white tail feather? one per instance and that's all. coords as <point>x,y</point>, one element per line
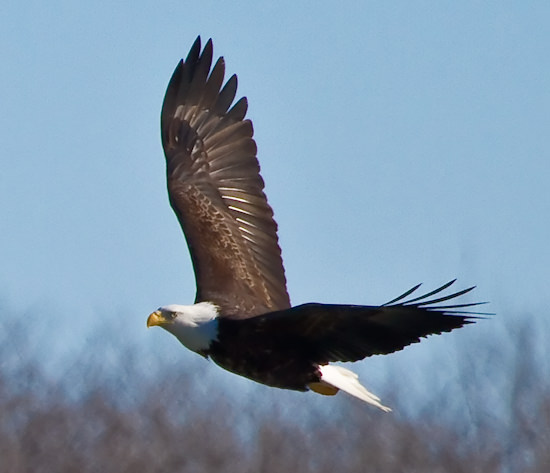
<point>348,381</point>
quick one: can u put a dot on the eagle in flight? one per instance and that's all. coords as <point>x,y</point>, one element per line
<point>242,317</point>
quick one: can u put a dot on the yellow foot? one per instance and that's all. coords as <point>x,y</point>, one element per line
<point>323,388</point>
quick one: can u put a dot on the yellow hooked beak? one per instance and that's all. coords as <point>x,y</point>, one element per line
<point>156,318</point>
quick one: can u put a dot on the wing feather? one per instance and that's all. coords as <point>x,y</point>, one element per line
<point>328,332</point>
<point>226,96</point>
<point>216,190</point>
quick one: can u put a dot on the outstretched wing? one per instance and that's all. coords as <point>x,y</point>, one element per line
<point>216,190</point>
<point>326,332</point>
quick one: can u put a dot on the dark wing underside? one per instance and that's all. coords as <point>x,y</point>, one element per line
<point>216,190</point>
<point>325,332</point>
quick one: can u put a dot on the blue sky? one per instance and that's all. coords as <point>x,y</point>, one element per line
<point>401,142</point>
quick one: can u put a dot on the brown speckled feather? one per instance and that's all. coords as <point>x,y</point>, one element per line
<point>216,190</point>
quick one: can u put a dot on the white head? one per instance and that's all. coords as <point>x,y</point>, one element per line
<point>195,326</point>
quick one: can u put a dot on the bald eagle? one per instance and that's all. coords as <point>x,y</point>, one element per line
<point>242,317</point>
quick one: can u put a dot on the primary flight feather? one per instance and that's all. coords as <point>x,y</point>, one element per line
<point>242,317</point>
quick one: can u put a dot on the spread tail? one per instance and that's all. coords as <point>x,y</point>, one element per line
<point>346,380</point>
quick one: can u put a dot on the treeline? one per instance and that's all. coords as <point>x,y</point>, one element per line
<point>95,416</point>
